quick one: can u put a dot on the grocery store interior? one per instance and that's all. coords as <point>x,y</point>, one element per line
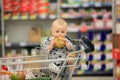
<point>26,24</point>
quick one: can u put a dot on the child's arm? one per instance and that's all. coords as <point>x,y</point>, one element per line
<point>68,44</point>
<point>51,45</point>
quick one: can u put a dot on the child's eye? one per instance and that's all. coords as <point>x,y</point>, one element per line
<point>57,31</point>
<point>63,31</point>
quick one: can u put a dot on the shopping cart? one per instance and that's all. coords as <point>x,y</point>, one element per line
<point>39,67</point>
<point>34,66</point>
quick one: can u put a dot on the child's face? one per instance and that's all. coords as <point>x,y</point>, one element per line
<point>59,31</point>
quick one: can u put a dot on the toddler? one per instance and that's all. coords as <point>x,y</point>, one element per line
<point>58,45</point>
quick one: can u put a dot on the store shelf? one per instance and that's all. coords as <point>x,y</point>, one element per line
<point>27,17</point>
<point>22,44</point>
<point>100,73</point>
<point>73,30</point>
<point>101,4</point>
<point>64,5</point>
<point>19,17</point>
<point>78,17</point>
<point>87,5</point>
<point>101,30</point>
<point>90,30</point>
<point>84,17</point>
<point>107,4</point>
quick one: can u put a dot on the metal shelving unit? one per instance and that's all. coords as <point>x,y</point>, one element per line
<point>47,21</point>
<point>116,33</point>
<point>88,5</point>
<point>24,44</point>
<point>3,30</point>
<point>0,33</point>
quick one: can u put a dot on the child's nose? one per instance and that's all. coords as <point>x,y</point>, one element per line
<point>60,34</point>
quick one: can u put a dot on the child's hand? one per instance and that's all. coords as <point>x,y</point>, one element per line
<point>67,43</point>
<point>52,44</point>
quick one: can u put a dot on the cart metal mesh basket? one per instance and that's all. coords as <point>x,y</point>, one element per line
<point>36,67</point>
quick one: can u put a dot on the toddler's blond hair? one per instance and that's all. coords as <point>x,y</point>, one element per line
<point>59,22</point>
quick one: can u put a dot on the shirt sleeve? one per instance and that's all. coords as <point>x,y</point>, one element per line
<point>47,42</point>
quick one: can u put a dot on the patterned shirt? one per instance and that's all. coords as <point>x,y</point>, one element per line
<point>57,53</point>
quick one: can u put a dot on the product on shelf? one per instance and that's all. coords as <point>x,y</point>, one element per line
<point>107,0</point>
<point>90,57</point>
<point>94,13</point>
<point>7,16</point>
<point>5,75</point>
<point>15,15</point>
<point>102,47</point>
<point>108,23</point>
<point>73,27</point>
<point>33,9</point>
<point>7,5</point>
<point>116,46</point>
<point>109,66</point>
<point>106,14</point>
<point>84,67</point>
<point>117,70</point>
<point>90,67</point>
<point>33,15</point>
<point>33,52</point>
<point>24,15</point>
<point>43,8</point>
<point>35,34</point>
<point>103,67</point>
<point>99,23</point>
<point>82,12</point>
<point>118,28</point>
<point>24,5</point>
<point>74,1</point>
<point>84,28</point>
<point>27,9</point>
<point>53,10</point>
<point>109,56</point>
<point>90,35</point>
<point>16,6</point>
<point>118,8</point>
<point>14,77</point>
<point>103,57</point>
<point>97,66</point>
<point>71,13</point>
<point>24,8</point>
<point>108,46</point>
<point>21,75</point>
<point>103,36</point>
<point>4,67</point>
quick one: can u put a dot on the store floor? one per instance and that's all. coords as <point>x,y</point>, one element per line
<point>92,78</point>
